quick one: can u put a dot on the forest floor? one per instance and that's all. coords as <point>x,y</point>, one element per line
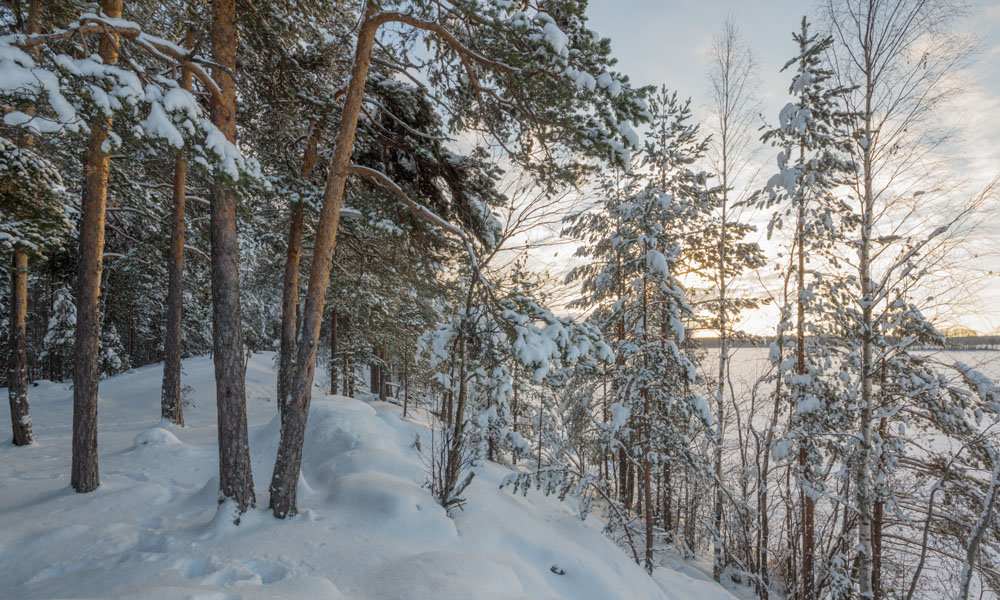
<point>368,529</point>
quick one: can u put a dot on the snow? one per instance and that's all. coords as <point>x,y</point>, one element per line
<point>158,124</point>
<point>657,264</point>
<point>802,81</point>
<point>808,404</point>
<point>368,529</point>
<point>556,38</point>
<point>608,82</point>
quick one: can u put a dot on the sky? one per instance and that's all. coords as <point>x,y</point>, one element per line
<point>669,41</point>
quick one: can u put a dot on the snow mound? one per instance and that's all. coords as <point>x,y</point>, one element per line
<point>155,436</point>
<point>368,529</point>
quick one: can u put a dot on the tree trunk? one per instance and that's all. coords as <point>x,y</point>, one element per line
<point>406,385</point>
<point>284,483</point>
<point>718,559</point>
<point>514,408</point>
<point>235,475</point>
<point>170,396</point>
<point>130,336</point>
<point>647,487</point>
<point>289,305</point>
<point>668,491</point>
<point>17,377</point>
<point>290,281</point>
<point>647,442</point>
<point>878,512</point>
<point>333,355</point>
<point>863,466</point>
<point>383,369</point>
<point>97,167</point>
<point>981,526</point>
<point>538,465</point>
<point>808,504</point>
<point>453,468</point>
<point>348,376</point>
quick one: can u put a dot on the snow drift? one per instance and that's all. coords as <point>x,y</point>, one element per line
<point>368,529</point>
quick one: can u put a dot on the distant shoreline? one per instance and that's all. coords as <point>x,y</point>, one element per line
<point>979,342</point>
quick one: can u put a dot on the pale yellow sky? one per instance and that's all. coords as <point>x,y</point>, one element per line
<point>668,42</point>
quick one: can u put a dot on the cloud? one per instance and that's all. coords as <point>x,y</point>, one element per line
<point>992,14</point>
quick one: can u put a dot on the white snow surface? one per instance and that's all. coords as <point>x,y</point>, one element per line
<point>368,529</point>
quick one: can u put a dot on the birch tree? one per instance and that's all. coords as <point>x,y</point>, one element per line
<point>898,61</point>
<point>733,80</point>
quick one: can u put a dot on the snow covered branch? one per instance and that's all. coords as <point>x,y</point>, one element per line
<point>157,47</point>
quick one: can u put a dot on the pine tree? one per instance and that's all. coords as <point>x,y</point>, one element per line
<point>58,341</point>
<point>635,243</point>
<point>483,31</point>
<point>813,141</point>
<point>35,220</point>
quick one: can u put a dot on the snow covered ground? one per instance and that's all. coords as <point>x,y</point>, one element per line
<point>368,529</point>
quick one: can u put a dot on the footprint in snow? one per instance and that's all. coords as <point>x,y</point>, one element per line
<point>195,566</point>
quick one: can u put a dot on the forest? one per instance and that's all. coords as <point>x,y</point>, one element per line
<point>724,338</point>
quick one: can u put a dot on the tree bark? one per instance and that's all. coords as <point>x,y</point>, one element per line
<point>170,395</point>
<point>373,376</point>
<point>453,467</point>
<point>235,475</point>
<point>406,385</point>
<point>290,281</point>
<point>808,504</point>
<point>878,512</point>
<point>17,375</point>
<point>863,467</point>
<point>383,368</point>
<point>647,442</point>
<point>718,560</point>
<point>348,376</point>
<point>97,168</point>
<point>284,483</point>
<point>647,486</point>
<point>289,305</point>
<point>334,343</point>
<point>979,529</point>
<point>17,378</point>
<point>762,546</point>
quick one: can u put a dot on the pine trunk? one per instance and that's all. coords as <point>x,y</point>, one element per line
<point>290,282</point>
<point>284,483</point>
<point>96,172</point>
<point>647,443</point>
<point>647,488</point>
<point>289,306</point>
<point>17,377</point>
<point>170,396</point>
<point>383,370</point>
<point>348,376</point>
<point>235,475</point>
<point>334,343</point>
<point>453,467</point>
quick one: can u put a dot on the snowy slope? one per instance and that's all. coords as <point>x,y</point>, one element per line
<point>368,530</point>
